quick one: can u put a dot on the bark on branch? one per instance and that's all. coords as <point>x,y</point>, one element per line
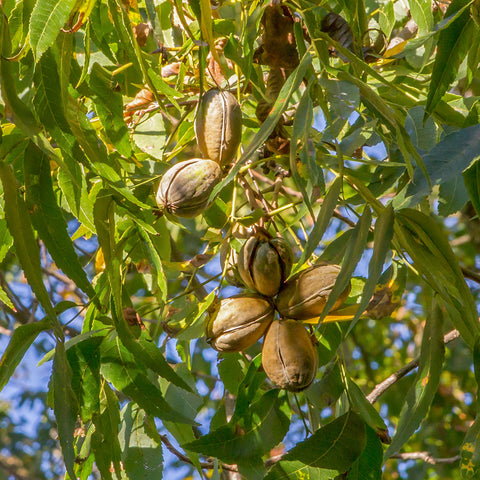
<point>383,386</point>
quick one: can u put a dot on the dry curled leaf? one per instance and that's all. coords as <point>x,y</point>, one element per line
<point>200,259</point>
<point>214,70</point>
<point>279,48</point>
<point>337,28</point>
<point>382,304</point>
<point>141,32</point>
<point>132,317</point>
<point>170,70</point>
<point>141,101</point>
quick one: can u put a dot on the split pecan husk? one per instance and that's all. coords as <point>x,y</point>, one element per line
<point>218,126</point>
<point>305,295</point>
<point>185,188</point>
<point>238,322</point>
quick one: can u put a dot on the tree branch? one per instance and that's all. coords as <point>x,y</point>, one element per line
<point>382,387</point>
<point>471,275</point>
<point>294,193</point>
<point>426,457</point>
<point>184,458</point>
<point>14,467</point>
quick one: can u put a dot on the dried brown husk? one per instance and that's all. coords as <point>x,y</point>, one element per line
<point>238,322</point>
<point>218,126</point>
<point>305,295</point>
<point>289,357</point>
<point>185,188</point>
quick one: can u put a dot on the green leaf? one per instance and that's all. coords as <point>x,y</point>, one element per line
<point>120,368</point>
<point>423,133</point>
<point>48,218</point>
<point>248,438</point>
<point>105,443</point>
<point>17,216</point>
<point>369,465</point>
<point>48,17</point>
<point>452,46</point>
<point>328,390</point>
<point>104,218</point>
<point>195,322</point>
<point>76,194</point>
<point>452,196</point>
<point>366,410</point>
<point>162,86</point>
<point>231,369</point>
<point>381,244</point>
<point>301,127</point>
<point>289,87</point>
<point>20,342</point>
<point>422,15</point>
<point>426,244</point>
<point>6,240</point>
<point>109,107</point>
<point>157,262</point>
<point>421,394</point>
<point>470,452</point>
<point>76,339</point>
<point>330,451</point>
<point>139,342</point>
<point>446,160</point>
<point>84,360</point>
<point>186,402</point>
<point>4,299</point>
<point>322,221</point>
<point>248,389</point>
<point>353,254</point>
<point>128,50</point>
<point>24,118</point>
<point>471,177</point>
<point>386,19</point>
<point>142,456</point>
<point>65,406</point>
<point>150,135</point>
<point>50,111</point>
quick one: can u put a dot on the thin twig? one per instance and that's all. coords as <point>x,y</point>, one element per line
<point>13,468</point>
<point>184,458</point>
<point>426,457</point>
<point>382,387</point>
<point>471,275</point>
<point>294,193</point>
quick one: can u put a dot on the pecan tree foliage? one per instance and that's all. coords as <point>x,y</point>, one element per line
<point>359,147</point>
